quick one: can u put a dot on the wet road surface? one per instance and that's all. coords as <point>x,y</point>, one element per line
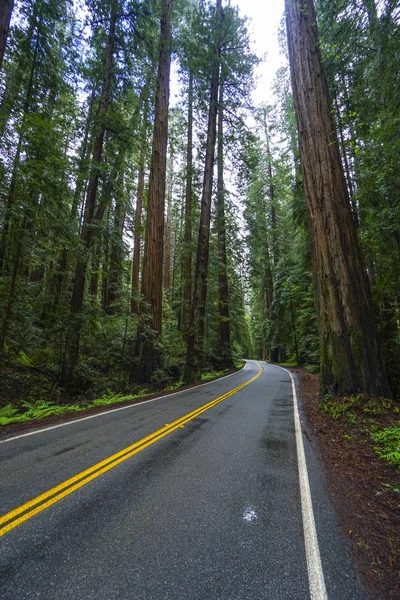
<point>211,510</point>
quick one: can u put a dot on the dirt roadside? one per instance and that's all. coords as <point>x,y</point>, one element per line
<point>368,508</point>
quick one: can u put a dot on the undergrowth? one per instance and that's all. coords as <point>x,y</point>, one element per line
<point>388,444</point>
<point>39,409</point>
<point>374,416</point>
<point>25,410</point>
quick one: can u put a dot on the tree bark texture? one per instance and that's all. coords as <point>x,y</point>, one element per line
<point>187,258</point>
<point>6,8</point>
<point>194,353</point>
<point>116,253</point>
<point>349,352</point>
<point>137,234</point>
<point>225,351</point>
<point>168,232</point>
<point>152,280</point>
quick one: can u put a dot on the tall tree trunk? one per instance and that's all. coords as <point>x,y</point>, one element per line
<point>116,253</point>
<point>168,232</point>
<point>61,279</point>
<point>14,83</point>
<point>345,159</point>
<point>11,291</point>
<point>194,353</point>
<point>349,352</point>
<point>271,250</point>
<point>187,242</point>
<point>149,354</point>
<point>138,213</point>
<point>271,190</point>
<point>104,274</point>
<point>15,172</point>
<point>225,351</point>
<point>6,8</point>
<point>72,343</point>
<point>22,243</point>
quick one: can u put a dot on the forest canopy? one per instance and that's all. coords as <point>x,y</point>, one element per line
<point>146,242</point>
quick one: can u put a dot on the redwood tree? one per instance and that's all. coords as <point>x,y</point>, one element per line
<point>149,332</point>
<point>72,343</point>
<point>195,339</point>
<point>349,352</point>
<point>225,351</point>
<point>187,257</point>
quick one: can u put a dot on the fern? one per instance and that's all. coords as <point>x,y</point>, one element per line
<point>388,448</point>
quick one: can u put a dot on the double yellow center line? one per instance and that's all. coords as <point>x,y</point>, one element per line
<point>28,510</point>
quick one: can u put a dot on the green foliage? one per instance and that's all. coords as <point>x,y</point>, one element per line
<point>34,410</point>
<point>172,388</point>
<point>338,407</point>
<point>212,375</point>
<point>8,414</point>
<point>388,444</point>
<point>50,91</point>
<point>39,409</point>
<point>368,414</point>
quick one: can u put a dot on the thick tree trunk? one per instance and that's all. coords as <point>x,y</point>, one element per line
<point>72,343</point>
<point>349,353</point>
<point>194,353</point>
<point>137,236</point>
<point>345,159</point>
<point>225,351</point>
<point>149,354</point>
<point>187,258</point>
<point>6,8</point>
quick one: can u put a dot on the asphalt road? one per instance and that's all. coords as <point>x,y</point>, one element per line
<point>212,510</point>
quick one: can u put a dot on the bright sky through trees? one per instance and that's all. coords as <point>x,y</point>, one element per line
<point>266,16</point>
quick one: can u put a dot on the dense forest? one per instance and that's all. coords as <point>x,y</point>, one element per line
<point>143,242</point>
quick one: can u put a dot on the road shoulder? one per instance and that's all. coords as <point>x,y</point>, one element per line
<point>369,511</point>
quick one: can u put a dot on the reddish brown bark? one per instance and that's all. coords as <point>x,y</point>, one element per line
<point>349,353</point>
<point>187,258</point>
<point>225,352</point>
<point>116,249</point>
<point>138,216</point>
<point>149,356</point>
<point>194,353</point>
<point>168,233</point>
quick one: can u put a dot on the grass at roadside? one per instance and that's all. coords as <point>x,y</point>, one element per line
<point>32,410</point>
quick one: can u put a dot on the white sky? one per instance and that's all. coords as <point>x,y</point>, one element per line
<point>265,18</point>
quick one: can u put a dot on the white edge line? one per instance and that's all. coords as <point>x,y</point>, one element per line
<point>107,412</point>
<point>314,566</point>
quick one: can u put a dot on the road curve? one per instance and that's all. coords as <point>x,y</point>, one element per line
<point>210,508</point>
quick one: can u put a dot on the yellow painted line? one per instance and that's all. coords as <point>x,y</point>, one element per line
<point>43,501</point>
